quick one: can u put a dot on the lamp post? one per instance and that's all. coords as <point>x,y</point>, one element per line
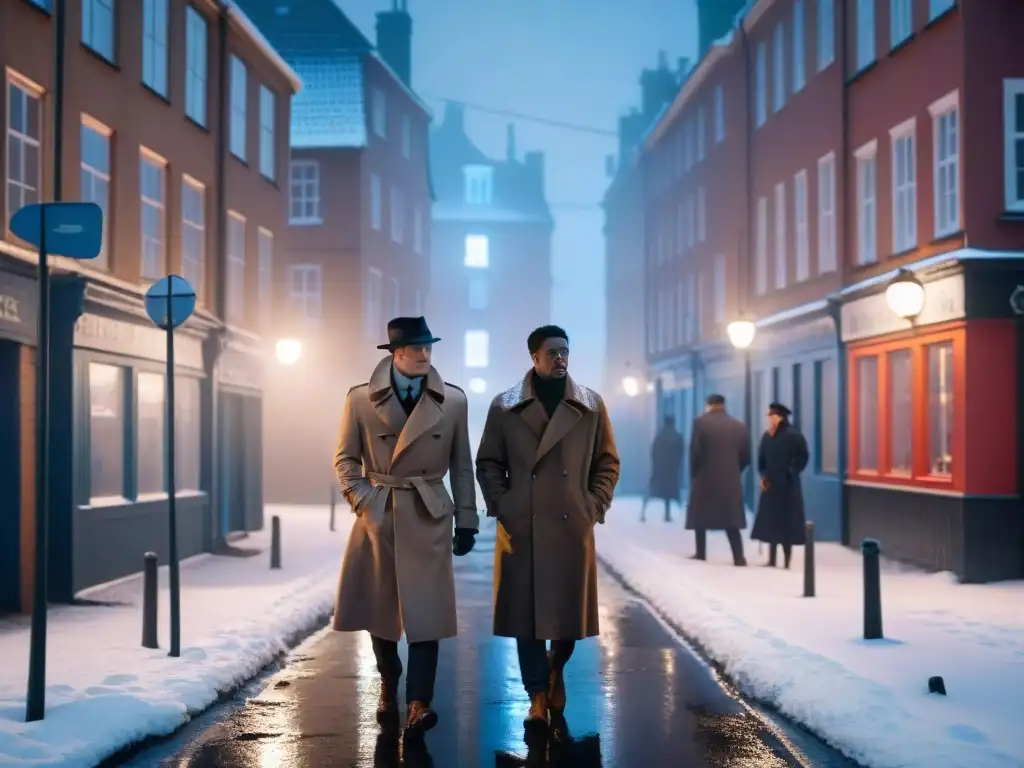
<point>741,334</point>
<point>905,295</point>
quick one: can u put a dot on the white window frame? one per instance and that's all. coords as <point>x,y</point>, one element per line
<point>155,18</point>
<point>396,214</point>
<point>99,17</point>
<point>761,84</point>
<point>1012,165</point>
<point>904,191</point>
<point>938,7</point>
<point>376,203</point>
<point>153,264</point>
<point>779,91</point>
<point>193,265</point>
<point>32,95</point>
<point>102,261</point>
<point>761,247</point>
<point>234,309</point>
<point>719,114</point>
<point>379,112</point>
<point>308,302</point>
<point>268,121</point>
<point>373,302</point>
<point>901,21</point>
<point>826,33</point>
<point>264,275</point>
<point>702,214</point>
<point>304,193</point>
<point>476,251</point>
<point>720,288</point>
<point>476,344</point>
<point>239,97</point>
<point>867,32</point>
<point>799,46</point>
<point>827,257</point>
<point>866,158</point>
<point>701,133</point>
<point>406,137</point>
<point>478,183</point>
<point>801,227</point>
<point>945,112</point>
<point>196,66</point>
<point>781,266</point>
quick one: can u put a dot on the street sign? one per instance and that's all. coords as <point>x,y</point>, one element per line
<point>74,230</point>
<point>178,309</point>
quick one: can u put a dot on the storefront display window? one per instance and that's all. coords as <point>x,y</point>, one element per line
<point>940,408</point>
<point>901,418</point>
<point>827,415</point>
<point>151,439</point>
<point>867,396</point>
<point>106,431</point>
<point>186,434</point>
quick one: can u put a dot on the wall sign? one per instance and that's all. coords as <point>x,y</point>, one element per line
<point>871,316</point>
<point>18,308</point>
<point>105,334</point>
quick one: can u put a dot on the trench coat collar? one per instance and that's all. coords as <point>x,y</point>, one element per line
<point>425,415</point>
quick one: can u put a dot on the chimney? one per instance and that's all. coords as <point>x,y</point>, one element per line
<point>535,164</point>
<point>454,116</point>
<point>510,143</point>
<point>394,39</point>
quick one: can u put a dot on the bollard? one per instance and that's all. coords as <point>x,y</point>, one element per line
<point>871,550</point>
<point>150,594</point>
<point>275,542</point>
<point>809,561</point>
<point>334,501</point>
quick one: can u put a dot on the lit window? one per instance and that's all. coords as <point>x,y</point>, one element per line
<point>154,45</point>
<point>477,252</point>
<point>901,428</point>
<point>94,178</point>
<point>826,385</point>
<point>867,406</point>
<point>940,408</point>
<point>479,184</point>
<point>267,121</point>
<point>187,433</point>
<point>477,386</point>
<point>106,431</point>
<point>305,291</point>
<point>150,438</point>
<point>1013,122</point>
<point>98,27</point>
<point>867,204</point>
<point>946,134</point>
<point>477,349</point>
<point>904,188</point>
<point>304,193</point>
<point>153,188</point>
<point>239,84</point>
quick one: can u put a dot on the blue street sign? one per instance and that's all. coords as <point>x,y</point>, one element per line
<point>74,230</point>
<point>181,305</point>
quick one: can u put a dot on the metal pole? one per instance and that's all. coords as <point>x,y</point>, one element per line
<point>809,560</point>
<point>172,506</point>
<point>748,419</point>
<point>275,542</point>
<point>150,599</point>
<point>872,589</point>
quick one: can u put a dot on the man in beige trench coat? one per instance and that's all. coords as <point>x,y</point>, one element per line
<point>401,433</point>
<point>547,466</point>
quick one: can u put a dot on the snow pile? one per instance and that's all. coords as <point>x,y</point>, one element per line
<point>806,656</point>
<point>106,692</point>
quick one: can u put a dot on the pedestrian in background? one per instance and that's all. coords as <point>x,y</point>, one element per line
<point>547,467</point>
<point>781,458</point>
<point>719,453</point>
<point>667,454</point>
<point>401,433</point>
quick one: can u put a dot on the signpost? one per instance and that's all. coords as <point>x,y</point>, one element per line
<point>169,303</point>
<point>74,230</point>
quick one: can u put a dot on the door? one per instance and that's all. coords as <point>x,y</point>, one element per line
<point>10,478</point>
<point>232,464</point>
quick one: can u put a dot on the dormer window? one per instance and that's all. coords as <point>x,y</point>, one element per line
<point>478,181</point>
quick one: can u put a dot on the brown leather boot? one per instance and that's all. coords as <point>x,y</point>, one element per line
<point>556,690</point>
<point>538,714</point>
<point>421,719</point>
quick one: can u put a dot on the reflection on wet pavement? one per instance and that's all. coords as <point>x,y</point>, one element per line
<point>635,699</point>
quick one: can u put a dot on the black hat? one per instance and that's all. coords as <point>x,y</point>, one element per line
<point>780,410</point>
<point>406,331</point>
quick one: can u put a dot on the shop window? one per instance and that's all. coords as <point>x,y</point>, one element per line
<point>187,445</point>
<point>867,407</point>
<point>826,395</point>
<point>150,438</point>
<point>940,408</point>
<point>901,417</point>
<point>106,431</point>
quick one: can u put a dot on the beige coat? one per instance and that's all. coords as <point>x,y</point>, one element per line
<point>397,571</point>
<point>548,481</point>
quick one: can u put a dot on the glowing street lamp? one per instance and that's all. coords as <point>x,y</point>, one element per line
<point>905,295</point>
<point>741,333</point>
<point>630,386</point>
<point>288,351</point>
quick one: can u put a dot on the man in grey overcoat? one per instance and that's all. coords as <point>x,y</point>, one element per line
<point>547,466</point>
<point>401,433</point>
<point>719,453</point>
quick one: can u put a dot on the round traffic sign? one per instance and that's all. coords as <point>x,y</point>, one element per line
<point>170,301</point>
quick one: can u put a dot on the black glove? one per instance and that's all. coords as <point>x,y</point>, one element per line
<point>463,541</point>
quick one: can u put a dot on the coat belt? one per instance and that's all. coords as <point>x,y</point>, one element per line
<point>385,485</point>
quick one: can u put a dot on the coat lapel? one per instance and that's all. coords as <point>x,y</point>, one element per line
<point>536,418</point>
<point>564,419</point>
<point>425,416</point>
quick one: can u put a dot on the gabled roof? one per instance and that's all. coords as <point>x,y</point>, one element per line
<point>251,30</point>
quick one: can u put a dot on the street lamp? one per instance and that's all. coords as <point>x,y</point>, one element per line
<point>905,295</point>
<point>741,333</point>
<point>288,351</point>
<point>631,386</point>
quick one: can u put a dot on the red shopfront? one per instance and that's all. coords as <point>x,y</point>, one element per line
<point>934,438</point>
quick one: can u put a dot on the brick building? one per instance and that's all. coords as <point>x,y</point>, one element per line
<point>859,161</point>
<point>176,124</point>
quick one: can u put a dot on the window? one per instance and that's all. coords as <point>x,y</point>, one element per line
<point>938,7</point>
<point>397,212</point>
<point>761,267</point>
<point>94,178</point>
<point>477,252</point>
<point>867,203</point>
<point>826,395</point>
<point>376,215</point>
<point>195,66</point>
<point>691,221</point>
<point>239,86</point>
<point>235,310</point>
<point>379,112</point>
<point>904,188</point>
<point>690,131</point>
<point>865,33</point>
<point>478,293</point>
<point>479,184</point>
<point>106,431</point>
<point>779,68</point>
<point>154,45</point>
<point>719,288</point>
<point>304,192</point>
<point>901,414</point>
<point>150,440</point>
<point>374,302</point>
<point>761,85</point>
<point>305,291</point>
<point>799,49</point>
<point>719,114</point>
<point>417,230</point>
<point>701,131</point>
<point>476,349</point>
<point>901,21</point>
<point>780,235</point>
<point>24,134</point>
<point>98,27</point>
<point>827,214</point>
<point>867,408</point>
<point>826,33</point>
<point>187,440</point>
<point>406,137</point>
<point>267,120</point>
<point>945,118</point>
<point>702,214</point>
<point>153,195</point>
<point>264,275</point>
<point>1013,120</point>
<point>193,235</point>
<point>940,408</point>
<point>801,230</point>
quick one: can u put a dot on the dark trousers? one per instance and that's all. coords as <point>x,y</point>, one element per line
<point>419,682</point>
<point>668,509</point>
<point>787,553</point>
<point>534,665</point>
<point>735,544</point>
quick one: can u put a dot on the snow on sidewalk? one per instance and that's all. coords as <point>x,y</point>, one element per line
<point>104,691</point>
<point>806,656</point>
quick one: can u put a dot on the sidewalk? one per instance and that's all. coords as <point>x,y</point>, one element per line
<point>104,691</point>
<point>806,657</point>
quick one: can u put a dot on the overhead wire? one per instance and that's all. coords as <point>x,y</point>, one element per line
<point>528,117</point>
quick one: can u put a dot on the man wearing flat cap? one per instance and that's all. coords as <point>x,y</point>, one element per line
<point>781,458</point>
<point>401,433</point>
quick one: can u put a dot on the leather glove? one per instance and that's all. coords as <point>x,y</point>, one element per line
<point>463,541</point>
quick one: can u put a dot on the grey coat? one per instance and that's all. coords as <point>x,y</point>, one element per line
<point>719,452</point>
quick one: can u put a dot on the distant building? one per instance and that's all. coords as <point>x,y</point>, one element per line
<point>358,240</point>
<point>491,262</point>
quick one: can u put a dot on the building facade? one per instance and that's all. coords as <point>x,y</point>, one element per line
<point>860,162</point>
<point>358,235</point>
<point>182,146</point>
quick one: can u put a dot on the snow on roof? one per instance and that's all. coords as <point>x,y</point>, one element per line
<point>329,112</point>
<point>254,34</point>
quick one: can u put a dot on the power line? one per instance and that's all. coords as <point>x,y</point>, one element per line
<point>540,120</point>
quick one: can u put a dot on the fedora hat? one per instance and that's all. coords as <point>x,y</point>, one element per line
<point>407,331</point>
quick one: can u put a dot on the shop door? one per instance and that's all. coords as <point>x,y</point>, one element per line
<point>10,479</point>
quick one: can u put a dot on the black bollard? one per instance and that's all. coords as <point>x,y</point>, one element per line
<point>275,542</point>
<point>150,594</point>
<point>809,561</point>
<point>871,550</point>
<point>334,501</point>
<point>937,685</point>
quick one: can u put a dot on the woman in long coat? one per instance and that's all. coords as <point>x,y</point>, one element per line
<point>780,510</point>
<point>667,454</point>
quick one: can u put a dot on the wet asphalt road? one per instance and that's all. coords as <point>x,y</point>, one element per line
<point>636,698</point>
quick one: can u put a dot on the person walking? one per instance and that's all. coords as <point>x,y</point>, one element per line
<point>401,433</point>
<point>547,467</point>
<point>667,454</point>
<point>781,458</point>
<point>719,453</point>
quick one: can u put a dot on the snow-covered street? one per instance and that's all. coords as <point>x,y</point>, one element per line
<point>105,691</point>
<point>806,657</point>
